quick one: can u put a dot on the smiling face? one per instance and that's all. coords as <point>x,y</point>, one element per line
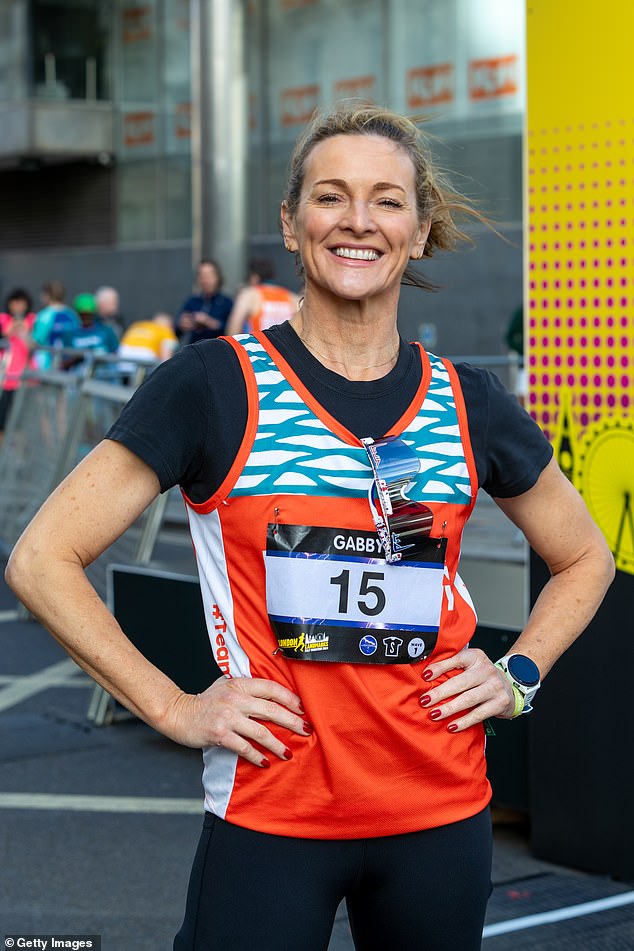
<point>356,225</point>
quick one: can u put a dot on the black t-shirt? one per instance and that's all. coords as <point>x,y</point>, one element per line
<point>187,420</point>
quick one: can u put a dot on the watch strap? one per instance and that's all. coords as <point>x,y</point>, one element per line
<point>523,695</point>
<point>520,702</point>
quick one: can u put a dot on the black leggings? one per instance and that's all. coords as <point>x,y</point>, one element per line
<point>423,891</point>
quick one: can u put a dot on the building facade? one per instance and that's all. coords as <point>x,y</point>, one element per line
<point>103,158</point>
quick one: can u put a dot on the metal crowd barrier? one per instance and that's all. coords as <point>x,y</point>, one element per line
<point>55,419</point>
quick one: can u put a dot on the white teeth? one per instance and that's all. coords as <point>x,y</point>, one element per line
<point>359,254</point>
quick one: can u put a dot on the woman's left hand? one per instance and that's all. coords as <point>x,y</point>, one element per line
<point>479,691</point>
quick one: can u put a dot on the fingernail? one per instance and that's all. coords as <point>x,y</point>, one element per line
<point>452,727</point>
<point>287,754</point>
<point>265,763</point>
<point>307,728</point>
<point>302,712</point>
<point>435,714</point>
<point>428,674</point>
<point>424,700</point>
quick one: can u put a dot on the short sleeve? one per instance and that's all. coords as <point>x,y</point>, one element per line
<point>165,422</point>
<point>510,449</point>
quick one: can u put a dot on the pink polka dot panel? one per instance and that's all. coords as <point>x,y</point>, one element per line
<point>599,323</point>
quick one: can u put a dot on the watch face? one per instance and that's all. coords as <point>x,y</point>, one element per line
<point>523,669</point>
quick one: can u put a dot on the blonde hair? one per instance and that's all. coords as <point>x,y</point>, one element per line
<point>436,199</point>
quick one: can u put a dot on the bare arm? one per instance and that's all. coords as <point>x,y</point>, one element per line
<point>245,304</point>
<point>167,349</point>
<point>557,525</point>
<point>94,505</point>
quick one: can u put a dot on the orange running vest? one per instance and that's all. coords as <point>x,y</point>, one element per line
<point>376,764</point>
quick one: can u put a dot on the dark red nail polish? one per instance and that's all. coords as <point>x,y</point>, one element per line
<point>307,728</point>
<point>424,700</point>
<point>265,763</point>
<point>428,675</point>
<point>287,754</point>
<point>452,727</point>
<point>435,714</point>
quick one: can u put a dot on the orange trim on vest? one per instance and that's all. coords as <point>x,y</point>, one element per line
<point>409,414</point>
<point>463,422</point>
<point>248,439</point>
<point>333,424</point>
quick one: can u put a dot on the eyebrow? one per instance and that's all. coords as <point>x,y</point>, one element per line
<point>341,183</point>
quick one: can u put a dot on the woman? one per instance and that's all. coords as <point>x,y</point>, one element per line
<point>16,326</point>
<point>344,747</point>
<point>204,314</point>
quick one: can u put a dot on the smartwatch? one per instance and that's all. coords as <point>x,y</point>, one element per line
<point>525,680</point>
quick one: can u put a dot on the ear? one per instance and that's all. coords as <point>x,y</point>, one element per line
<point>288,230</point>
<point>420,240</point>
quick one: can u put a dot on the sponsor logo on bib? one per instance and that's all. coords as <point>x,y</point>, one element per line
<point>368,645</point>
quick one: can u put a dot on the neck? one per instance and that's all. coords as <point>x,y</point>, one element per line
<point>351,349</point>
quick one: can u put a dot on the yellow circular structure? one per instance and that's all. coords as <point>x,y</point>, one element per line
<point>604,474</point>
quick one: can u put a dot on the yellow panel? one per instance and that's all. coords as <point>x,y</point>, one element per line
<point>580,228</point>
<point>579,62</point>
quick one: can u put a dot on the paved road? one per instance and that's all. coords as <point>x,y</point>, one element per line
<point>98,826</point>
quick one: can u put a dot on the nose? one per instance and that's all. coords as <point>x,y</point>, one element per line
<point>359,217</point>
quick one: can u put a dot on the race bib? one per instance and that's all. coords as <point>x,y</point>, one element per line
<point>331,596</point>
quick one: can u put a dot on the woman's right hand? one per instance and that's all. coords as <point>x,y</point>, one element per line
<point>229,714</point>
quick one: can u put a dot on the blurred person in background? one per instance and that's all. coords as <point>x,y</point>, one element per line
<point>263,303</point>
<point>147,341</point>
<point>108,308</point>
<point>16,326</point>
<point>204,314</point>
<point>52,321</point>
<point>91,336</point>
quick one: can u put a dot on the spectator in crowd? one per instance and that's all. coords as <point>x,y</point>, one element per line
<point>150,341</point>
<point>108,308</point>
<point>263,303</point>
<point>52,321</point>
<point>204,314</point>
<point>16,325</point>
<point>92,335</point>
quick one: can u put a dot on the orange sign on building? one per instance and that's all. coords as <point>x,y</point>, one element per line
<point>356,87</point>
<point>298,104</point>
<point>183,120</point>
<point>494,77</point>
<point>136,24</point>
<point>138,129</point>
<point>429,85</point>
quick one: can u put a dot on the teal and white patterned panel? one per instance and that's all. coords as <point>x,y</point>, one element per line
<point>294,452</point>
<point>435,435</point>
